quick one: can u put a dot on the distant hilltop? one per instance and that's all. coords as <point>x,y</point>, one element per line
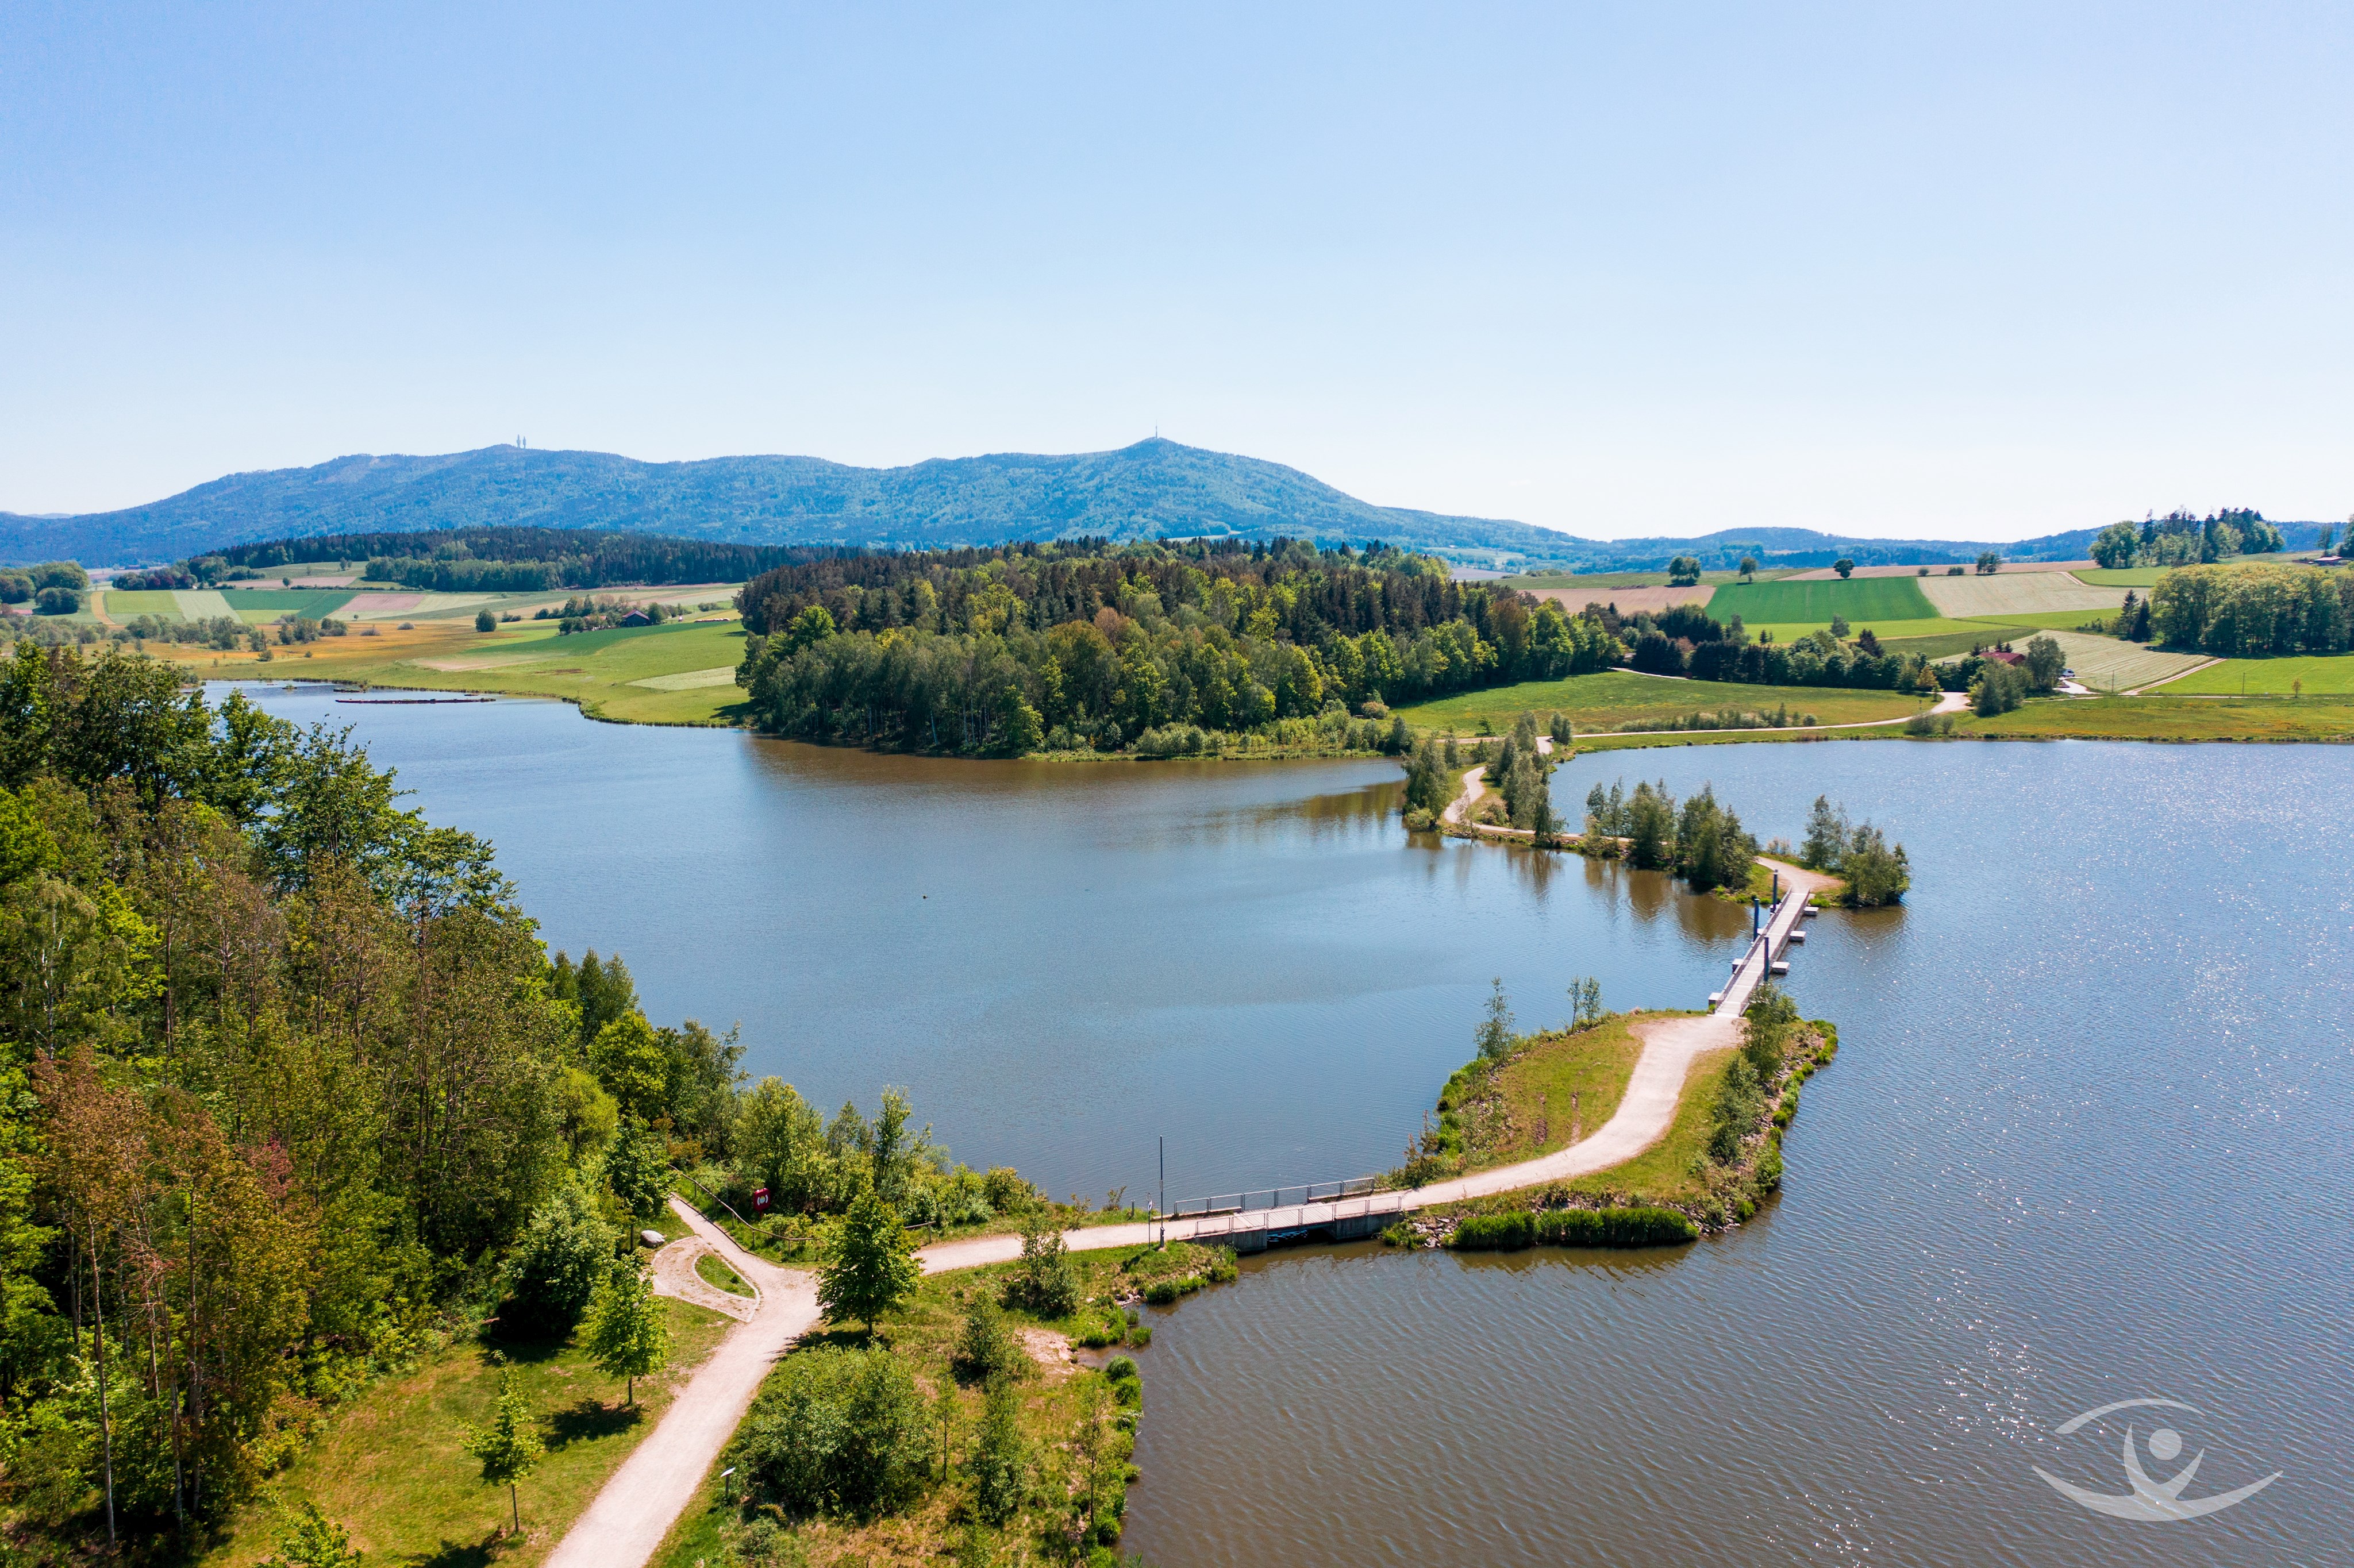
<point>1155,489</point>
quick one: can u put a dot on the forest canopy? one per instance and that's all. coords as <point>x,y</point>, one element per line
<point>288,1085</point>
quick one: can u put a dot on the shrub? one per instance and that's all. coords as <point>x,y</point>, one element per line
<point>1000,1461</point>
<point>1006,1191</point>
<point>559,1262</point>
<point>1628,1227</point>
<point>1495,1232</point>
<point>1047,1285</point>
<point>836,1431</point>
<point>986,1348</point>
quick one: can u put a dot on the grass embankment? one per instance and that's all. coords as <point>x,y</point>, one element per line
<point>2161,716</point>
<point>1558,1082</point>
<point>1678,1172</point>
<point>1601,702</point>
<point>1113,1286</point>
<point>392,1470</point>
<point>681,673</point>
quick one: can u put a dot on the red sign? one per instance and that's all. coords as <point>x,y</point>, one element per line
<point>760,1198</point>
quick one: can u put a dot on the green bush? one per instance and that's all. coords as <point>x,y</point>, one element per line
<point>1048,1284</point>
<point>837,1431</point>
<point>1630,1227</point>
<point>559,1263</point>
<point>986,1348</point>
<point>1495,1232</point>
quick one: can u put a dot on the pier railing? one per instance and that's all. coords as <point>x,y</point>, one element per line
<point>1275,1197</point>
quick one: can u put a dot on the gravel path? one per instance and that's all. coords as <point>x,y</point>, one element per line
<point>625,1525</point>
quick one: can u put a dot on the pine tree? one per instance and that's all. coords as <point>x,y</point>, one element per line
<point>625,1333</point>
<point>869,1266</point>
<point>1495,1032</point>
<point>510,1446</point>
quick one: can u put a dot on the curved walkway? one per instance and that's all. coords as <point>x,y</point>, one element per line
<point>624,1525</point>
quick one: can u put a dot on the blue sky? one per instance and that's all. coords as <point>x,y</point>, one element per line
<point>1986,271</point>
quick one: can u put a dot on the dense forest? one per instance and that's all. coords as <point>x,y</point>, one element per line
<point>1078,644</point>
<point>2250,612</point>
<point>288,1085</point>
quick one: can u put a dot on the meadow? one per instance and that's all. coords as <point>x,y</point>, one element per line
<point>2322,675</point>
<point>2164,717</point>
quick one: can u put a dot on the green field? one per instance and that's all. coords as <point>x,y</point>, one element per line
<point>2324,675</point>
<point>1964,636</point>
<point>123,606</point>
<point>1606,701</point>
<point>269,604</point>
<point>1864,601</point>
<point>636,673</point>
<point>2161,716</point>
<point>2121,577</point>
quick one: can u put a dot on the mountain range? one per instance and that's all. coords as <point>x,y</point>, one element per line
<point>1155,489</point>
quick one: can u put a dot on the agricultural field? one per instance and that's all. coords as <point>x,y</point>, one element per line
<point>1627,600</point>
<point>116,604</point>
<point>2106,664</point>
<point>681,673</point>
<point>201,604</point>
<point>1598,581</point>
<point>2017,593</point>
<point>2121,577</point>
<point>1960,637</point>
<point>1606,701</point>
<point>1864,601</point>
<point>260,607</point>
<point>2322,676</point>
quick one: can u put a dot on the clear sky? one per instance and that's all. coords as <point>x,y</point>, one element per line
<point>1983,271</point>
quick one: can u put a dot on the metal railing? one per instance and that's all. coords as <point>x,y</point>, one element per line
<point>1274,1197</point>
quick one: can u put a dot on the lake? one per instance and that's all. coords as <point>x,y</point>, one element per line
<point>2086,1140</point>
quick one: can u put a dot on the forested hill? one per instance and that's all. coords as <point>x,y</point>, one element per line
<point>1151,489</point>
<point>1155,489</point>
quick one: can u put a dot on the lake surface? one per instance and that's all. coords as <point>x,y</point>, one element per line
<point>2087,1138</point>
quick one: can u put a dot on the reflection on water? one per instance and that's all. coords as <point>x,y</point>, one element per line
<point>1063,962</point>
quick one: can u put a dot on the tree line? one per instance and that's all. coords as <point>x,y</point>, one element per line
<point>510,558</point>
<point>2258,611</point>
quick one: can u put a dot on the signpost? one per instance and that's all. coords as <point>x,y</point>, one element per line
<point>759,1200</point>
